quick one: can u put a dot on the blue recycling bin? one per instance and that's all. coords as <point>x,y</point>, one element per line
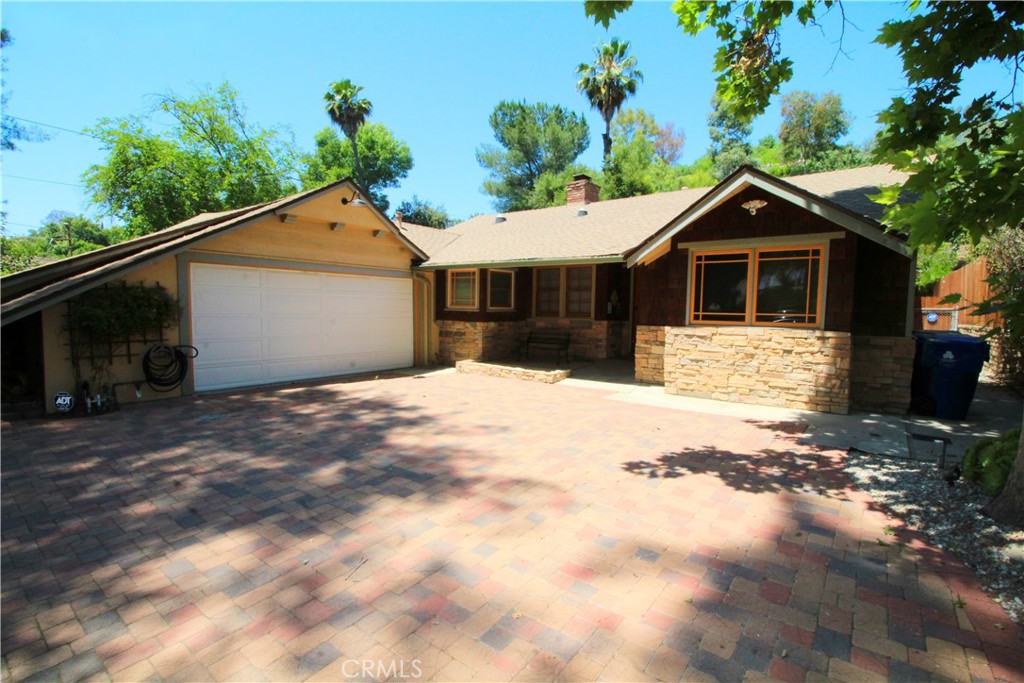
<point>946,370</point>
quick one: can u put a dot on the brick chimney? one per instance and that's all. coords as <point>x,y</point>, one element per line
<point>582,190</point>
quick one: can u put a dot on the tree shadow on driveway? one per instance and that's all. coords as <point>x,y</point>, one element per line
<point>108,518</point>
<point>842,563</point>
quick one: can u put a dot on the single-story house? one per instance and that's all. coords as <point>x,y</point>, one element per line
<point>759,290</point>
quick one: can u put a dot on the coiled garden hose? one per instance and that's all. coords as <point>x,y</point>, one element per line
<point>166,366</point>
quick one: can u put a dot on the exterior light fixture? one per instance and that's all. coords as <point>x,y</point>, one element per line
<point>753,205</point>
<point>354,200</point>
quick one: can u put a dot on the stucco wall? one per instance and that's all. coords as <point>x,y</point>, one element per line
<point>804,369</point>
<point>59,374</point>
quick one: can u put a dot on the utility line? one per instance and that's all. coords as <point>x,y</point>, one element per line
<point>50,125</point>
<point>40,180</point>
<point>24,225</point>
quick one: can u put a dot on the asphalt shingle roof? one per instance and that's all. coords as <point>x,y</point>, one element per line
<point>613,227</point>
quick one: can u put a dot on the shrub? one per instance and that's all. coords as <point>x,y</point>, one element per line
<point>988,461</point>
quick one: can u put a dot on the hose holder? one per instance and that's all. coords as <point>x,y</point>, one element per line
<point>166,366</point>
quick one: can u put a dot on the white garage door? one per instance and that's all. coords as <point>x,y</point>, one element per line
<point>263,325</point>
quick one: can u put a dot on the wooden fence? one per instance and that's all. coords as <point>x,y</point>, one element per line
<point>969,282</point>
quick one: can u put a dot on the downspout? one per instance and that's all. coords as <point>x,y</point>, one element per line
<point>428,316</point>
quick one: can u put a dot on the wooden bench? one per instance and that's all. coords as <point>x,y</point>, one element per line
<point>556,341</point>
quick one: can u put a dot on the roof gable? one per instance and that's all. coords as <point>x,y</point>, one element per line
<point>747,176</point>
<point>31,290</point>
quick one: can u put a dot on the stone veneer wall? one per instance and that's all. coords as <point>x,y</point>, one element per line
<point>588,339</point>
<point>881,372</point>
<point>793,368</point>
<point>462,340</point>
<point>649,354</point>
<point>472,367</point>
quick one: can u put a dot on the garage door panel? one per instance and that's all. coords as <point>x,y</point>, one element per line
<point>292,279</point>
<point>292,301</point>
<point>226,327</point>
<point>233,375</point>
<point>259,325</point>
<point>292,347</point>
<point>227,302</point>
<point>292,326</point>
<point>227,352</point>
<point>226,276</point>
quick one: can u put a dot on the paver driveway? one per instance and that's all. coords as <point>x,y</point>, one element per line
<point>458,527</point>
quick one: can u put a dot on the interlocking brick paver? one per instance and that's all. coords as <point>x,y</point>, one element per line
<point>277,534</point>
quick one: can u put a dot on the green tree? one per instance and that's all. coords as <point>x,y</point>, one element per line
<point>965,161</point>
<point>422,212</point>
<point>730,140</point>
<point>12,131</point>
<point>386,160</point>
<point>669,144</point>
<point>935,262</point>
<point>349,112</point>
<point>16,253</point>
<point>533,139</point>
<point>608,81</point>
<point>208,159</point>
<point>699,173</point>
<point>64,234</point>
<point>549,190</point>
<point>811,125</point>
<point>637,165</point>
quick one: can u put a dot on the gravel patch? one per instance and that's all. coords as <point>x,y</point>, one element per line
<point>951,518</point>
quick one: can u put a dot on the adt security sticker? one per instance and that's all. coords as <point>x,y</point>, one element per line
<point>64,402</point>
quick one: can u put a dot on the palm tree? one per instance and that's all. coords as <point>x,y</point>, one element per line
<point>349,111</point>
<point>608,82</point>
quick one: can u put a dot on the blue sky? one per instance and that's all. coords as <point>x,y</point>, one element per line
<point>434,72</point>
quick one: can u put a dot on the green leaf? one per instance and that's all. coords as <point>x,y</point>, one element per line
<point>603,11</point>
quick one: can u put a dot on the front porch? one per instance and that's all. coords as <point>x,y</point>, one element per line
<point>589,340</point>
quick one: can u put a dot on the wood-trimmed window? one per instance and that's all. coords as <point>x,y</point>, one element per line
<point>547,292</point>
<point>501,290</point>
<point>564,292</point>
<point>762,286</point>
<point>463,289</point>
<point>789,286</point>
<point>579,291</point>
